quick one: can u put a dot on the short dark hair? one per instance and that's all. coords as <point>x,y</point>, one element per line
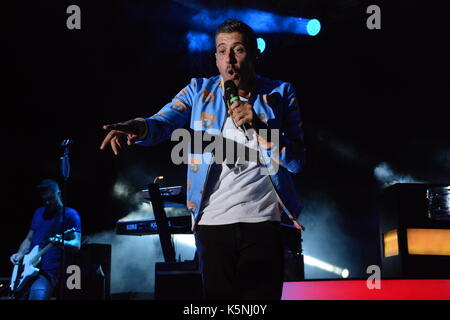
<point>233,25</point>
<point>48,184</point>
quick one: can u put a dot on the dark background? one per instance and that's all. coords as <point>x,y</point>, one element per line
<point>368,97</point>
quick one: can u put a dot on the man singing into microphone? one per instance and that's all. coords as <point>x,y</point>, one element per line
<point>236,205</point>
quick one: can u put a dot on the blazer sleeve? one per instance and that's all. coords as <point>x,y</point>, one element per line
<point>292,146</point>
<point>173,115</point>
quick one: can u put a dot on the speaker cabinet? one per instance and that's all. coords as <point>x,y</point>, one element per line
<point>178,281</point>
<point>413,244</point>
<point>94,261</point>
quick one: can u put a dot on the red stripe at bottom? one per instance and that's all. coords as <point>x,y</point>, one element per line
<point>417,289</point>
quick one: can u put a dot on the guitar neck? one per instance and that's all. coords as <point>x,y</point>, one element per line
<point>41,253</point>
<point>48,247</point>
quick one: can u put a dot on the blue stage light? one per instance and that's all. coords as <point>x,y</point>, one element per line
<point>313,27</point>
<point>261,44</point>
<point>198,41</point>
<point>310,27</point>
<point>259,21</point>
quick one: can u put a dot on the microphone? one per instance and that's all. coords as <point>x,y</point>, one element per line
<point>65,164</point>
<point>67,142</point>
<point>231,95</point>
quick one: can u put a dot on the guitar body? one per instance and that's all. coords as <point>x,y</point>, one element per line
<point>25,270</point>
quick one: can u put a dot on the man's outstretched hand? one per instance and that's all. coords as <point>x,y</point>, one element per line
<point>124,134</point>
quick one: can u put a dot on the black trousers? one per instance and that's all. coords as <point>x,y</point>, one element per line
<point>241,260</point>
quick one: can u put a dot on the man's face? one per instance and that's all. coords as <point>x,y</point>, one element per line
<point>233,58</point>
<point>50,197</point>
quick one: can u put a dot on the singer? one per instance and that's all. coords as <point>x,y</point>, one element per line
<point>236,206</point>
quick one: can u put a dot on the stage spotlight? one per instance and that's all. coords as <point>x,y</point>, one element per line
<point>344,273</point>
<point>313,27</point>
<point>261,44</point>
<point>310,27</point>
<point>259,21</point>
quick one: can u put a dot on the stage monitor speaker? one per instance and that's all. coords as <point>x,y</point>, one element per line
<point>178,281</point>
<point>415,231</point>
<point>94,261</point>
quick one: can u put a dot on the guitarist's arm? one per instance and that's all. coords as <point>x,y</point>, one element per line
<point>73,244</point>
<point>23,249</point>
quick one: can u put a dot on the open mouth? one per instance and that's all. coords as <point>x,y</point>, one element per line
<point>232,73</point>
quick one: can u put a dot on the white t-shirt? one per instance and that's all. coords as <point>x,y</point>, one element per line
<point>239,192</point>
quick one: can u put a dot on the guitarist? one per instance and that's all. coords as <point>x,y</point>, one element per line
<point>46,223</point>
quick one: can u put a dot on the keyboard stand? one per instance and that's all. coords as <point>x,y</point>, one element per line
<point>161,222</point>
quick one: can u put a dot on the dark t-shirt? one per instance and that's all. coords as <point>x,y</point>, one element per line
<point>41,226</point>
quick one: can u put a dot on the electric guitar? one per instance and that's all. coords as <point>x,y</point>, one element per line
<point>27,269</point>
